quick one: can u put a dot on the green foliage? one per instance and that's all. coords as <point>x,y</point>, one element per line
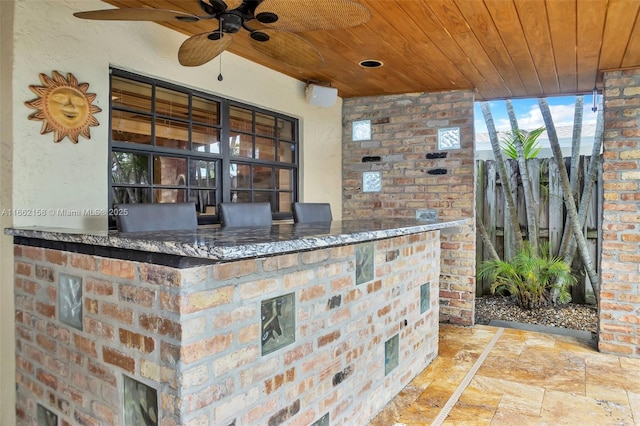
<point>529,141</point>
<point>530,277</point>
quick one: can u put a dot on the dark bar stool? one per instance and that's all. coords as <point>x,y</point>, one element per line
<point>312,212</point>
<point>233,215</point>
<point>156,217</point>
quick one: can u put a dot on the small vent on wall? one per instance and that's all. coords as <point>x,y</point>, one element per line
<point>437,172</point>
<point>436,155</point>
<point>371,159</point>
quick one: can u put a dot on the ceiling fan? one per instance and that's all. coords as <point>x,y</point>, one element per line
<point>278,20</point>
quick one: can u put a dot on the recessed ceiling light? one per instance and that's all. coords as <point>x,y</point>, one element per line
<point>371,63</point>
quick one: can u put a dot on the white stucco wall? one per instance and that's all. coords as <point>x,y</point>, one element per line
<point>7,336</point>
<point>36,173</point>
<point>64,175</point>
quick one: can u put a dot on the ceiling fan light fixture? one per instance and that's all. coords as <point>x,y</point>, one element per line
<point>230,22</point>
<point>371,63</point>
<point>266,17</point>
<point>259,36</point>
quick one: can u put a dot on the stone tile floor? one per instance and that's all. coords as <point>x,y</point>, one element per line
<point>487,375</point>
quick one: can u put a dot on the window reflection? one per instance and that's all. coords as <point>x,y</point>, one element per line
<point>172,103</point>
<point>129,168</point>
<point>241,119</point>
<point>286,130</point>
<point>166,146</point>
<point>169,171</point>
<point>265,124</point>
<point>241,145</point>
<point>205,139</point>
<point>172,134</point>
<point>205,111</point>
<point>286,152</point>
<point>265,149</point>
<point>262,177</point>
<point>130,195</point>
<point>130,94</point>
<point>130,127</point>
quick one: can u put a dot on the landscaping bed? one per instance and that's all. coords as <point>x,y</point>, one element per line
<point>571,315</point>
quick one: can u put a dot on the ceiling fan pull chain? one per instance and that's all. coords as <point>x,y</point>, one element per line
<point>220,78</point>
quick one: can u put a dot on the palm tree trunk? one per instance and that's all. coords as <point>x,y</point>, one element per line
<point>592,174</point>
<point>486,239</point>
<point>512,115</point>
<point>502,171</point>
<point>531,208</point>
<point>568,199</point>
<point>567,236</point>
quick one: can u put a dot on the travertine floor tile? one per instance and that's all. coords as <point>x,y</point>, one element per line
<point>518,398</point>
<point>511,419</point>
<point>527,378</point>
<point>463,414</point>
<point>610,374</point>
<point>619,396</point>
<point>634,403</point>
<point>566,409</point>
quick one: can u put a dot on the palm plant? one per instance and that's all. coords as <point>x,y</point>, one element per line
<point>523,146</point>
<point>529,141</point>
<point>530,277</point>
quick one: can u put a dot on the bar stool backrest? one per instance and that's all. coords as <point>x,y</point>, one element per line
<point>233,215</point>
<point>156,217</point>
<point>312,212</point>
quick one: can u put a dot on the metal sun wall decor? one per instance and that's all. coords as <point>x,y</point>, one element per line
<point>64,107</point>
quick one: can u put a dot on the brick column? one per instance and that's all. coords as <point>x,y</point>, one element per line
<point>619,325</point>
<point>417,175</point>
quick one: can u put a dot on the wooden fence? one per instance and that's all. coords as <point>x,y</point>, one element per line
<point>552,216</point>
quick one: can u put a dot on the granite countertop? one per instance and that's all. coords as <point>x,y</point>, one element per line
<point>240,243</point>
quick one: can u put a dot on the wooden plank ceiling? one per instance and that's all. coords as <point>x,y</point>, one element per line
<point>501,48</point>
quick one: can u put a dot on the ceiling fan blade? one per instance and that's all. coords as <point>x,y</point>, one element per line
<point>232,4</point>
<point>311,15</point>
<point>157,15</point>
<point>199,49</point>
<point>289,48</point>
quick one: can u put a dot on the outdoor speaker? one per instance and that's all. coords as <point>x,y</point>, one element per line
<point>321,95</point>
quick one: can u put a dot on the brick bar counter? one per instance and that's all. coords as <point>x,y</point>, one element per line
<point>292,324</point>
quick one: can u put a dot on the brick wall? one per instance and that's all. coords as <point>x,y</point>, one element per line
<point>416,175</point>
<point>619,327</point>
<point>194,335</point>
